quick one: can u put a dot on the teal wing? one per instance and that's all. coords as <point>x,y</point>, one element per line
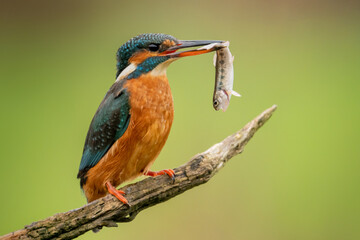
<point>108,125</point>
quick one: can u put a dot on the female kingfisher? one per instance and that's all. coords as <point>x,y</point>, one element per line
<point>133,121</point>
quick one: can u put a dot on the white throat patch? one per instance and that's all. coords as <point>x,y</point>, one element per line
<point>160,69</point>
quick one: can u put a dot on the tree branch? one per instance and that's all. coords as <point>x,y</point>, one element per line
<point>107,211</point>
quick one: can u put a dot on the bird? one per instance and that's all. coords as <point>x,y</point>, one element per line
<point>133,121</point>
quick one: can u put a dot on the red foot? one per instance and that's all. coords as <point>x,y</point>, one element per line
<point>117,193</point>
<point>169,172</point>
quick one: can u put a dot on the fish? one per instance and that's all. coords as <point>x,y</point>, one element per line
<point>224,78</point>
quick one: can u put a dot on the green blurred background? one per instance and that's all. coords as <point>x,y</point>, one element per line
<point>298,178</point>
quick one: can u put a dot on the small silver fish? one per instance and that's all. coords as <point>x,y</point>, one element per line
<point>223,62</point>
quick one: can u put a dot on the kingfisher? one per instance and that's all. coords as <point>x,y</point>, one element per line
<point>133,121</point>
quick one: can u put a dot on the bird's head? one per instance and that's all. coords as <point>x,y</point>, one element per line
<point>153,51</point>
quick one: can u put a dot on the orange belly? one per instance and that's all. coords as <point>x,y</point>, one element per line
<point>151,117</point>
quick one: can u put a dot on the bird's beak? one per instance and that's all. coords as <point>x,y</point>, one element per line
<point>213,46</point>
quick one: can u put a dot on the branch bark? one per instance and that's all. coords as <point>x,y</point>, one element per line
<point>108,211</point>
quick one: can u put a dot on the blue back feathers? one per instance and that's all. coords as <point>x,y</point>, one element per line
<point>108,125</point>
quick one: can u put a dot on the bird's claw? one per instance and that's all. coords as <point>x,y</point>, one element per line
<point>117,193</point>
<point>169,172</point>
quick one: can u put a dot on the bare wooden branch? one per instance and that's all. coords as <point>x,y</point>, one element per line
<point>107,211</point>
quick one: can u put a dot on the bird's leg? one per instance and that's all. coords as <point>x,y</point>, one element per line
<point>169,172</point>
<point>117,193</point>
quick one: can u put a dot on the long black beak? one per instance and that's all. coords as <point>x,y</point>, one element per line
<point>213,46</point>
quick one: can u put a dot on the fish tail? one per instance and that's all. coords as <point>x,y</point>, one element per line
<point>235,93</point>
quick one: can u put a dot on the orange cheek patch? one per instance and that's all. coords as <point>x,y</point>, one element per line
<point>139,57</point>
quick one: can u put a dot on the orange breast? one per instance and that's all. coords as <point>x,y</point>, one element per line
<point>151,117</point>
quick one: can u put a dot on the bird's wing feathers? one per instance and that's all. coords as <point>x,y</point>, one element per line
<point>108,125</point>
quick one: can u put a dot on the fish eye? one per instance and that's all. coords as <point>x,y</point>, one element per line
<point>153,47</point>
<point>216,103</point>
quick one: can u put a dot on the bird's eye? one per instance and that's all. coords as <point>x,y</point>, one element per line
<point>153,47</point>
